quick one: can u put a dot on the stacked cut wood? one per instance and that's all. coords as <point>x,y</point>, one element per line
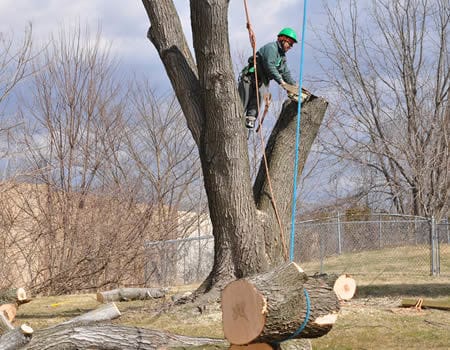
<point>127,294</point>
<point>274,306</point>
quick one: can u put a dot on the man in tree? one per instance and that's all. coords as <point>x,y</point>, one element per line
<point>246,227</point>
<point>271,65</point>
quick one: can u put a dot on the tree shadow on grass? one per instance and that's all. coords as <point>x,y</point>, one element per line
<point>432,290</point>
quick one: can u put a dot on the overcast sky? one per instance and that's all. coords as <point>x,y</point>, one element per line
<point>124,23</point>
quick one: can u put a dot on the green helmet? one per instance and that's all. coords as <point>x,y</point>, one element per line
<point>289,32</point>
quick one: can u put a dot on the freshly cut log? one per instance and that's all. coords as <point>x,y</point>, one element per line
<point>272,306</point>
<point>101,336</point>
<point>345,287</point>
<point>10,311</point>
<point>127,294</point>
<point>103,313</point>
<point>5,324</point>
<point>16,338</point>
<point>15,295</point>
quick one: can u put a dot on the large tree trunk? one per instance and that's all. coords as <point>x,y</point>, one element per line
<point>247,240</point>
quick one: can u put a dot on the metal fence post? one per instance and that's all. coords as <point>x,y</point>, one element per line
<point>434,249</point>
<point>339,233</point>
<point>380,244</point>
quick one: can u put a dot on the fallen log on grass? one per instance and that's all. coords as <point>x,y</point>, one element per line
<point>127,294</point>
<point>13,296</point>
<point>344,287</point>
<point>105,312</point>
<point>16,338</point>
<point>108,337</point>
<point>281,304</point>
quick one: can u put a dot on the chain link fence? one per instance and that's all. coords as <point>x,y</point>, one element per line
<point>372,245</point>
<point>379,245</point>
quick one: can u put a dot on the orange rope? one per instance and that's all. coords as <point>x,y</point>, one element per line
<point>252,38</point>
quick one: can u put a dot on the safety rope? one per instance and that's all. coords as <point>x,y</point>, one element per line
<point>297,136</point>
<point>252,38</point>
<point>305,320</point>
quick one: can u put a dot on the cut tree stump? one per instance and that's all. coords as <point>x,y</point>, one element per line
<point>127,294</point>
<point>16,338</point>
<point>15,295</point>
<point>83,337</point>
<point>105,312</point>
<point>271,307</point>
<point>10,311</point>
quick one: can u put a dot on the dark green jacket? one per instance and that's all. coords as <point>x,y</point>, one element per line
<point>271,61</point>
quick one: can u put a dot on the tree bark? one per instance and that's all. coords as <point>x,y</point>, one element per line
<point>280,152</point>
<point>16,338</point>
<point>109,337</point>
<point>270,307</point>
<point>126,294</point>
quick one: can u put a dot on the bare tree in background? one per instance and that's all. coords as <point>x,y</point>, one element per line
<point>80,224</point>
<point>15,67</point>
<point>166,162</point>
<point>390,72</point>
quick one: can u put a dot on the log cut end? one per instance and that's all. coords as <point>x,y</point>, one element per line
<point>21,295</point>
<point>344,287</point>
<point>243,312</point>
<point>26,330</point>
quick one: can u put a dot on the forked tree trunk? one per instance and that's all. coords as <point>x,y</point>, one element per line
<point>271,307</point>
<point>247,236</point>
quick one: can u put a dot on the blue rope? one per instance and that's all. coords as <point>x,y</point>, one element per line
<point>305,321</point>
<point>297,136</point>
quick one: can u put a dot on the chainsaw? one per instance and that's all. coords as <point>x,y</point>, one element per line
<point>293,93</point>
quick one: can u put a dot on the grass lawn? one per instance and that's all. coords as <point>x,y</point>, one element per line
<point>371,320</point>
